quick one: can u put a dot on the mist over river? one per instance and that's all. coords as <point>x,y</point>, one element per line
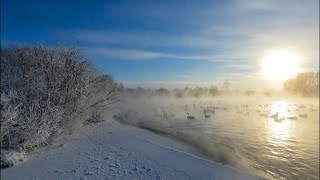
<point>272,137</point>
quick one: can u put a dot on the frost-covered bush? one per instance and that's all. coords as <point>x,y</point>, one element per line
<point>46,90</point>
<point>306,84</point>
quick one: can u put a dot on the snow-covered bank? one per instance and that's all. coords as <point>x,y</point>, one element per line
<point>111,150</point>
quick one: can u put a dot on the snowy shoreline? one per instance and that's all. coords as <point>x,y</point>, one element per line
<point>111,150</point>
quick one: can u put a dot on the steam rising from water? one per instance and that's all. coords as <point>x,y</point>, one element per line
<point>240,131</point>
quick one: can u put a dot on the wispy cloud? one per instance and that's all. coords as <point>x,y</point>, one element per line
<point>128,54</point>
<point>188,41</point>
<point>234,34</point>
<point>134,54</point>
<point>213,44</point>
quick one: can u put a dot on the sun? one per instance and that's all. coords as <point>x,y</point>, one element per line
<point>280,65</point>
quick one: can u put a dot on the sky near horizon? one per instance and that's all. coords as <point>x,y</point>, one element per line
<point>172,43</point>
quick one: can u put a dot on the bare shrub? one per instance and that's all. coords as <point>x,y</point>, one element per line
<point>46,90</point>
<point>306,84</point>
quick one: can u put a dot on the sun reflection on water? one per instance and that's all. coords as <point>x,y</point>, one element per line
<point>279,131</point>
<point>281,107</point>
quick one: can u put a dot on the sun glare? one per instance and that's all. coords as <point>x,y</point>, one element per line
<point>280,65</point>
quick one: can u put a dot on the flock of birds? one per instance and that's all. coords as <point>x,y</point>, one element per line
<point>209,111</point>
<point>206,111</point>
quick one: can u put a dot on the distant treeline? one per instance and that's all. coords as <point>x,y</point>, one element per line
<point>306,84</point>
<point>179,93</point>
<point>196,92</point>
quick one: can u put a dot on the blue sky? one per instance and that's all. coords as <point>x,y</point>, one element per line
<point>171,43</point>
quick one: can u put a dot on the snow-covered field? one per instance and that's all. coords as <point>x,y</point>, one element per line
<point>110,150</point>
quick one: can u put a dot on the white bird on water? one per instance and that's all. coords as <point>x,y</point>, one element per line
<point>276,117</point>
<point>205,114</point>
<point>190,117</point>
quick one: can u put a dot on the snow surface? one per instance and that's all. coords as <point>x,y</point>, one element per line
<point>110,150</point>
